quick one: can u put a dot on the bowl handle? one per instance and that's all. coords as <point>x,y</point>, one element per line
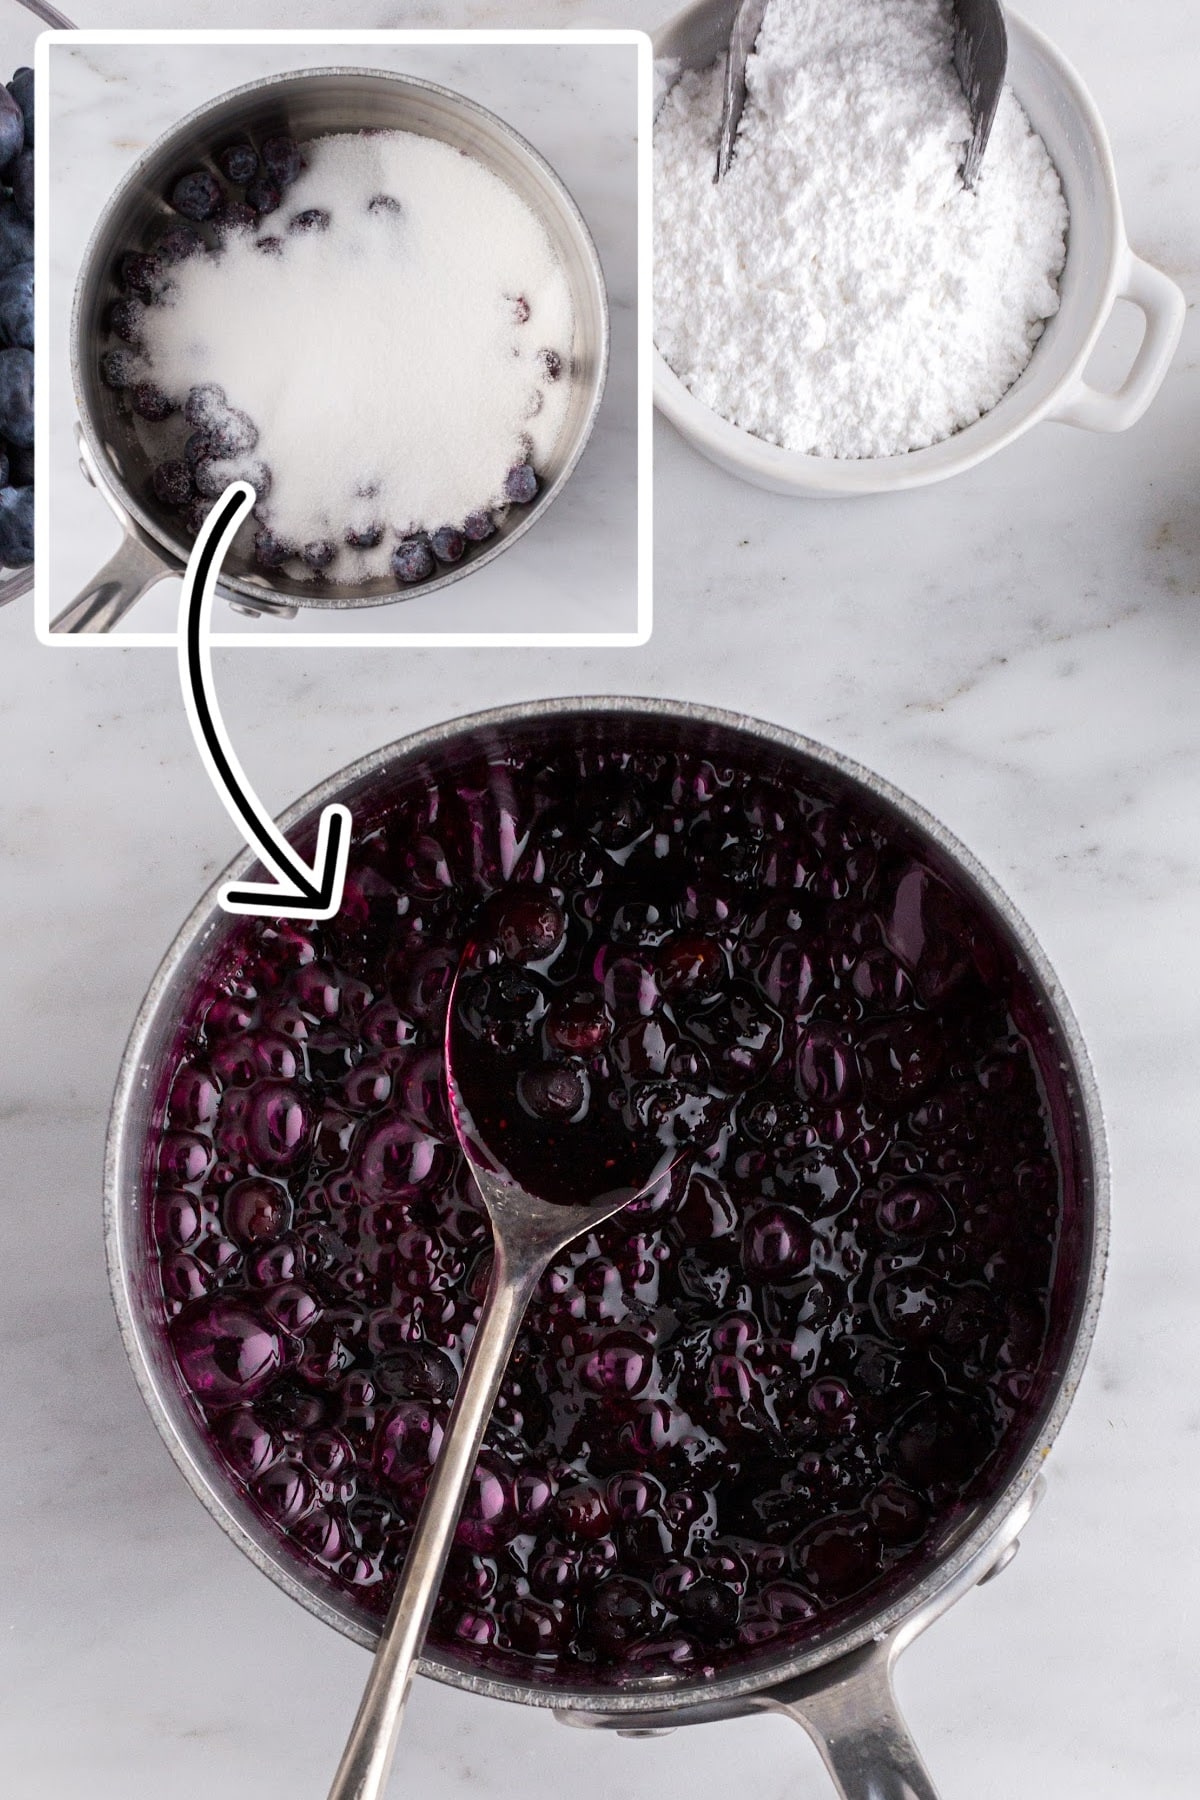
<point>1161,301</point>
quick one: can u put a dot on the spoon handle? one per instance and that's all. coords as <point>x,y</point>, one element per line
<point>363,1771</point>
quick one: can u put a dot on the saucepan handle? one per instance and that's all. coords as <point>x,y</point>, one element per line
<point>858,1728</point>
<point>117,586</point>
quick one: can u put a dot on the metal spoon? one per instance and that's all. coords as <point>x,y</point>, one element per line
<point>528,1232</point>
<point>980,56</point>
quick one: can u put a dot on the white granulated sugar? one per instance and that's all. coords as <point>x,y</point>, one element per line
<point>392,362</point>
<point>840,293</point>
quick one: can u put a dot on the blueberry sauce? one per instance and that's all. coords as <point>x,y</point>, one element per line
<point>751,1408</point>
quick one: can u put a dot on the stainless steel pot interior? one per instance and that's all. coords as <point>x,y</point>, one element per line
<point>308,104</point>
<point>1081,1138</point>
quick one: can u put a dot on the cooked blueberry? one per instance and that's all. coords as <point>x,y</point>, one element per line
<point>238,163</point>
<point>179,244</point>
<point>413,560</point>
<point>16,527</point>
<point>12,128</point>
<point>314,219</point>
<point>270,552</point>
<point>521,484</point>
<point>143,274</point>
<point>16,304</point>
<point>173,483</point>
<point>264,195</point>
<point>282,160</point>
<point>479,527</point>
<point>17,396</point>
<point>20,178</point>
<point>21,89</point>
<point>125,320</point>
<point>150,403</point>
<point>197,195</point>
<point>319,554</point>
<point>551,364</point>
<point>448,545</point>
<point>364,537</point>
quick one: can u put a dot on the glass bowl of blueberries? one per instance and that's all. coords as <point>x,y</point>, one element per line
<point>363,294</point>
<point>765,1425</point>
<point>20,23</point>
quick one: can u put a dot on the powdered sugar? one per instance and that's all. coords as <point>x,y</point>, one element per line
<point>394,358</point>
<point>840,293</point>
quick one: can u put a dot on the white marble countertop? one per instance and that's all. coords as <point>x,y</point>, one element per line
<point>577,570</point>
<point>1020,650</point>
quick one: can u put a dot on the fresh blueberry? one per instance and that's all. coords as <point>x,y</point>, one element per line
<point>364,537</point>
<point>173,483</point>
<point>235,215</point>
<point>198,448</point>
<point>412,560</point>
<point>17,396</point>
<point>211,476</point>
<point>125,320</point>
<point>551,363</point>
<point>197,195</point>
<point>118,369</point>
<point>318,555</point>
<point>448,545</point>
<point>384,203</point>
<point>21,89</point>
<point>16,235</point>
<point>282,160</point>
<point>4,468</point>
<point>521,310</point>
<point>20,465</point>
<point>16,304</point>
<point>238,163</point>
<point>270,246</point>
<point>520,484</point>
<point>12,128</point>
<point>197,512</point>
<point>150,403</point>
<point>16,527</point>
<point>180,244</point>
<point>143,274</point>
<point>205,404</point>
<point>315,219</point>
<point>270,552</point>
<point>479,527</point>
<point>20,179</point>
<point>264,195</point>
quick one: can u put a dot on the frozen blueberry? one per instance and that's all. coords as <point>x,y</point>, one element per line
<point>21,89</point>
<point>520,484</point>
<point>264,195</point>
<point>20,179</point>
<point>364,537</point>
<point>384,203</point>
<point>197,195</point>
<point>238,163</point>
<point>150,403</point>
<point>118,369</point>
<point>551,363</point>
<point>412,560</point>
<point>479,527</point>
<point>16,304</point>
<point>282,160</point>
<point>179,244</point>
<point>173,483</point>
<point>270,552</point>
<point>16,527</point>
<point>143,274</point>
<point>315,219</point>
<point>448,545</point>
<point>12,128</point>
<point>235,216</point>
<point>318,555</point>
<point>16,396</point>
<point>16,235</point>
<point>125,320</point>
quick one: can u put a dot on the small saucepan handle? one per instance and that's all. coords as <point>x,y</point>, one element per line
<point>114,589</point>
<point>861,1734</point>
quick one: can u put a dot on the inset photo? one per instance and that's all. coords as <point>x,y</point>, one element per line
<point>392,281</point>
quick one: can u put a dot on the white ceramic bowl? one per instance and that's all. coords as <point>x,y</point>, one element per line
<point>1100,270</point>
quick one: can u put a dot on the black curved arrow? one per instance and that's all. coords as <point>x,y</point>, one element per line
<point>300,890</point>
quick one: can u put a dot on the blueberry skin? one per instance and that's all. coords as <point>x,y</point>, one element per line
<point>21,89</point>
<point>16,235</point>
<point>12,129</point>
<point>479,527</point>
<point>197,195</point>
<point>448,545</point>
<point>16,305</point>
<point>16,396</point>
<point>16,527</point>
<point>20,177</point>
<point>412,561</point>
<point>239,162</point>
<point>282,160</point>
<point>521,484</point>
<point>264,195</point>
